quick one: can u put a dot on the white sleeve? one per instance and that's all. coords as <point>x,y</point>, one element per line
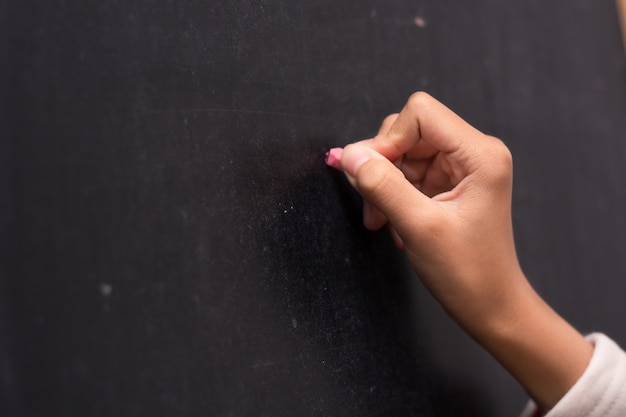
<point>600,391</point>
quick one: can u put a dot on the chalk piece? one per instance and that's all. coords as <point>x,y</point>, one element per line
<point>333,158</point>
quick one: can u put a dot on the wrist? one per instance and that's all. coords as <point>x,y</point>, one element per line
<point>488,304</point>
<point>536,345</point>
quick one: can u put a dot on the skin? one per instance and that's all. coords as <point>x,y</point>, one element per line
<point>444,188</point>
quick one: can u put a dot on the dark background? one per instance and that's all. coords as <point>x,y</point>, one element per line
<point>172,243</point>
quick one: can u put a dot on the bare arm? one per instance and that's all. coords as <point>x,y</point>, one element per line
<point>445,190</point>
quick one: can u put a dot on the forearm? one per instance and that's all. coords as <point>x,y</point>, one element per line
<point>538,347</point>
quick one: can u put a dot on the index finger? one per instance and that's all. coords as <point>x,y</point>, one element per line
<point>425,118</point>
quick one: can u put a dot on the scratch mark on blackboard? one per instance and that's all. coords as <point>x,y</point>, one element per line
<point>263,364</point>
<point>420,22</point>
<point>236,111</point>
<point>105,289</point>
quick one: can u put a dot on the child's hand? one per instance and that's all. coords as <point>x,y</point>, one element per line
<point>445,189</point>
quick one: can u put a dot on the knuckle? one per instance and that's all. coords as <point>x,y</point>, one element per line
<point>420,100</point>
<point>504,156</point>
<point>390,119</point>
<point>501,162</point>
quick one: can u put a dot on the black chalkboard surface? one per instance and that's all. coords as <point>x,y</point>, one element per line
<point>173,244</point>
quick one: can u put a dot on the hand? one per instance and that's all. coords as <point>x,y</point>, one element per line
<point>445,189</point>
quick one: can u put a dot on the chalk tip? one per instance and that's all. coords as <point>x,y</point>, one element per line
<point>333,158</point>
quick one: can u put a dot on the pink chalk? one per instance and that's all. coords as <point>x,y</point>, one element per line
<point>333,158</point>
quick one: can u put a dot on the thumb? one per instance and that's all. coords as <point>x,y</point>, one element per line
<point>382,184</point>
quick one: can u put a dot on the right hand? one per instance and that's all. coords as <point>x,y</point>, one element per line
<point>445,189</point>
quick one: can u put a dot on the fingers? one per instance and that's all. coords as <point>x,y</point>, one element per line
<point>383,185</point>
<point>387,123</point>
<point>425,119</point>
<point>397,240</point>
<point>429,144</point>
<point>373,218</point>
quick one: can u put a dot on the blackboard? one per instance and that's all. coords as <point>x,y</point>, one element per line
<point>173,243</point>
